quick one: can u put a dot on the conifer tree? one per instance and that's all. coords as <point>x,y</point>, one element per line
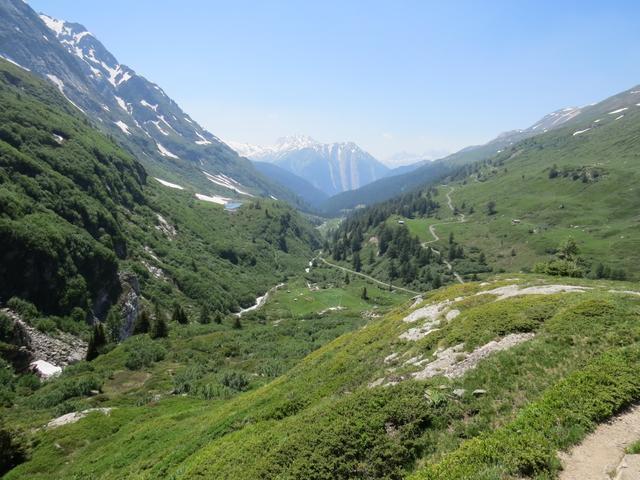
<point>143,323</point>
<point>179,315</point>
<point>97,341</point>
<point>159,328</point>
<point>364,294</point>
<point>205,315</point>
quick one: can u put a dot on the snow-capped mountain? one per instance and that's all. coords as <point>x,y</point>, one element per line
<point>123,103</point>
<point>330,167</point>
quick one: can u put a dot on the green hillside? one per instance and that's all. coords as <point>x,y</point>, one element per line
<point>77,212</point>
<point>365,406</point>
<point>552,187</point>
<point>511,212</point>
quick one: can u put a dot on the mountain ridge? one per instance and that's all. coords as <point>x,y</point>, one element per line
<point>330,167</point>
<point>144,119</point>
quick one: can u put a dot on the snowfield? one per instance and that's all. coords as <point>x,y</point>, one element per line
<point>169,184</point>
<point>123,126</point>
<point>226,182</point>
<point>213,199</point>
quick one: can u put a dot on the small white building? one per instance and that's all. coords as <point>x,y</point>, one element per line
<point>44,369</point>
<point>400,222</point>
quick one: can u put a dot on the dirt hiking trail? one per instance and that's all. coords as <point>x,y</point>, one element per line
<point>601,455</point>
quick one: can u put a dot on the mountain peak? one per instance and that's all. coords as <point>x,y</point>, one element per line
<point>330,167</point>
<point>296,141</point>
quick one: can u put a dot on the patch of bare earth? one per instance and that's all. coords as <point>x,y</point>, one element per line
<point>601,456</point>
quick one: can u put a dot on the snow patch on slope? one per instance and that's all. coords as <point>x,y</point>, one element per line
<point>123,126</point>
<point>213,199</point>
<point>166,153</point>
<point>202,141</point>
<point>619,110</point>
<point>15,63</point>
<point>227,182</point>
<point>169,184</point>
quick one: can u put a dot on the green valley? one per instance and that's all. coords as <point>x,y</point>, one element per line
<point>178,306</point>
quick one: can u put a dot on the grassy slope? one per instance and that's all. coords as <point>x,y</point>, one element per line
<point>602,215</point>
<point>319,420</point>
<point>78,210</point>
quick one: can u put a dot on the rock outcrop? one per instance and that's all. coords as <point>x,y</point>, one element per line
<point>61,350</point>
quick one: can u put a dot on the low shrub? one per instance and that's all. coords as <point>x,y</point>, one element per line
<point>235,381</point>
<point>142,352</point>
<point>26,310</point>
<point>563,415</point>
<point>13,448</point>
<point>63,389</point>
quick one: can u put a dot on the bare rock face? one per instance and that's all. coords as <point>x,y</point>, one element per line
<point>129,304</point>
<point>61,350</point>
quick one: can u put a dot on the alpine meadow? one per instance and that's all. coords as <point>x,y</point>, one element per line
<point>299,295</point>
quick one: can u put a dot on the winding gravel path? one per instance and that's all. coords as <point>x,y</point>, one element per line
<point>368,277</point>
<point>432,231</point>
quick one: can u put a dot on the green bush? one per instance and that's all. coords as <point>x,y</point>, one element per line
<point>186,380</point>
<point>142,352</point>
<point>560,268</point>
<point>46,325</point>
<point>7,383</point>
<point>235,381</point>
<point>13,450</point>
<point>6,327</point>
<point>563,415</point>
<point>57,391</point>
<point>26,310</point>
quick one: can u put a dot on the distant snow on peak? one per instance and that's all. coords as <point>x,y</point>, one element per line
<point>55,25</point>
<point>330,167</point>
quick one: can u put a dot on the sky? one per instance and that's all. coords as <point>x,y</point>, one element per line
<point>416,76</point>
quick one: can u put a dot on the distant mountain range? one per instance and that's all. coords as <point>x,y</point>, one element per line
<point>406,178</point>
<point>405,159</point>
<point>137,112</point>
<point>332,168</point>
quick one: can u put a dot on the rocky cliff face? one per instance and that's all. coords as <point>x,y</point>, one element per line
<point>129,304</point>
<point>61,350</point>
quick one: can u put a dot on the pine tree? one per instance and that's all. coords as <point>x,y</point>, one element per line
<point>347,280</point>
<point>179,315</point>
<point>113,325</point>
<point>205,315</point>
<point>159,328</point>
<point>357,264</point>
<point>96,342</point>
<point>237,324</point>
<point>364,294</point>
<point>143,323</point>
<point>217,318</point>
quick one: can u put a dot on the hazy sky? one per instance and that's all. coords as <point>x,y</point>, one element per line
<point>389,75</point>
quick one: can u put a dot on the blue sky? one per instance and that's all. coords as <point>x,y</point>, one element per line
<point>389,75</point>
